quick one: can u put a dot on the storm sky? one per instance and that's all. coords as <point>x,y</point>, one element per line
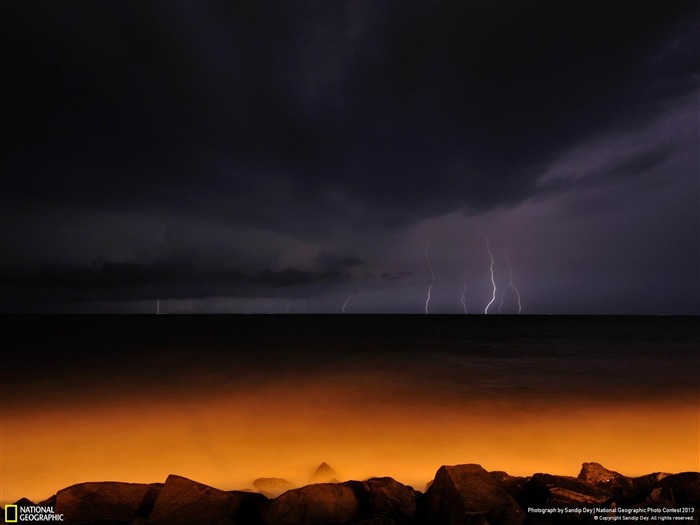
<point>272,157</point>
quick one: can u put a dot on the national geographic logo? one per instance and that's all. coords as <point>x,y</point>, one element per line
<point>30,513</point>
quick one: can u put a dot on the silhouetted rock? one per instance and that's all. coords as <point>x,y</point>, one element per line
<point>186,502</point>
<point>251,505</point>
<point>375,501</point>
<point>24,502</point>
<point>468,495</point>
<point>677,490</point>
<point>324,474</point>
<point>546,490</point>
<point>49,502</point>
<point>618,488</point>
<point>597,474</point>
<point>388,500</point>
<point>272,487</point>
<point>314,505</point>
<point>462,494</point>
<point>512,484</point>
<point>107,501</point>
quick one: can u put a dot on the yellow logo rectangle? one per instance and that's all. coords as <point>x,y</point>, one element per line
<point>10,513</point>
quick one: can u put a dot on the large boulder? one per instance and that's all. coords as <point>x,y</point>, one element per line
<point>546,490</point>
<point>387,499</point>
<point>112,502</point>
<point>656,490</point>
<point>316,504</point>
<point>597,474</point>
<point>677,490</point>
<point>186,502</point>
<point>619,488</point>
<point>468,495</point>
<point>375,501</point>
<point>512,484</point>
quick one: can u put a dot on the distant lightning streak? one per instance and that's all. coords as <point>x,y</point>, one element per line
<point>346,303</point>
<point>510,285</point>
<point>432,275</point>
<point>493,282</point>
<point>464,292</point>
<point>157,306</point>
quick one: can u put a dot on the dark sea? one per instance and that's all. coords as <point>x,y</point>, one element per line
<point>491,356</point>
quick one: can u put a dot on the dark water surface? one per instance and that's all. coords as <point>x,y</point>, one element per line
<point>491,356</point>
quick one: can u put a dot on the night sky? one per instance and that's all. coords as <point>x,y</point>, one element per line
<point>321,157</point>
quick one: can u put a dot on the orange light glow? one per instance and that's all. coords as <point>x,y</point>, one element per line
<point>361,427</point>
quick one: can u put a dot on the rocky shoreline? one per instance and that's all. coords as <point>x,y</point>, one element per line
<point>461,494</point>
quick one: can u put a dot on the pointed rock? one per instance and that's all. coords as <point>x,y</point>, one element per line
<point>324,474</point>
<point>468,494</point>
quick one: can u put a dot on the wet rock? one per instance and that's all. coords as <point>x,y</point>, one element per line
<point>272,487</point>
<point>468,495</point>
<point>186,502</point>
<point>317,504</point>
<point>98,502</point>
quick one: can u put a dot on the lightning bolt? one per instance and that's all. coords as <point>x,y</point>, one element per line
<point>464,292</point>
<point>510,285</point>
<point>157,306</point>
<point>346,303</point>
<point>493,282</point>
<point>432,275</point>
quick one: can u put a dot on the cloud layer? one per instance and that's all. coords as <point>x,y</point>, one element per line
<point>202,149</point>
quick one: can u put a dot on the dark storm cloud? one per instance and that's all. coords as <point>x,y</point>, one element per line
<point>631,164</point>
<point>129,281</point>
<point>258,112</point>
<point>330,260</point>
<point>202,148</point>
